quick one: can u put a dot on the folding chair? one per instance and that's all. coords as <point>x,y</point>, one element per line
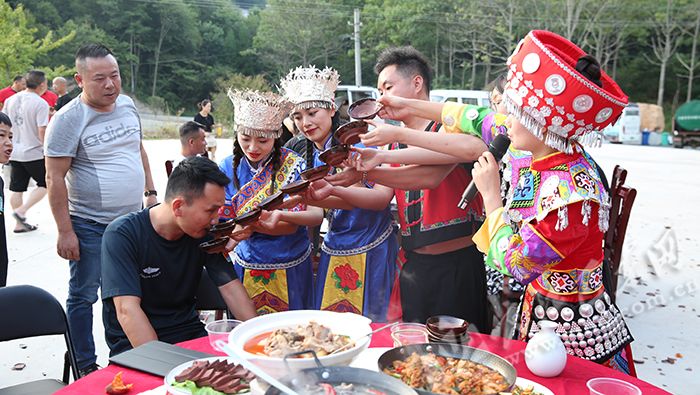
<point>35,312</point>
<point>208,297</point>
<point>168,167</point>
<point>622,199</point>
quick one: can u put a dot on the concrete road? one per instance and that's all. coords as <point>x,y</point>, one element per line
<point>659,293</point>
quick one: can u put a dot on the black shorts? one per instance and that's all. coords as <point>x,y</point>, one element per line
<point>21,172</point>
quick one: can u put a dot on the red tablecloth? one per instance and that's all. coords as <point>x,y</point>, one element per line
<point>571,381</point>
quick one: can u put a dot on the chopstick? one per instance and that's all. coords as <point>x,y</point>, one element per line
<point>363,336</point>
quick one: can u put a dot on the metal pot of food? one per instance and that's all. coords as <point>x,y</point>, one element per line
<point>341,380</point>
<point>463,369</point>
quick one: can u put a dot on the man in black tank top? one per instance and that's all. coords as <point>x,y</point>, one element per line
<point>443,272</point>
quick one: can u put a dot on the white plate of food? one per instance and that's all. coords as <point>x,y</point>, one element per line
<point>529,387</point>
<point>266,339</point>
<point>218,373</point>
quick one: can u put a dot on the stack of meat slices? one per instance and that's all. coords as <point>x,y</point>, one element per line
<point>220,375</point>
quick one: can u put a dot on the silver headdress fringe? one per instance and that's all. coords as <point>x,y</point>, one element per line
<point>604,212</point>
<point>562,218</point>
<point>314,104</point>
<point>556,137</point>
<point>505,170</point>
<point>268,134</point>
<point>526,119</point>
<point>586,211</point>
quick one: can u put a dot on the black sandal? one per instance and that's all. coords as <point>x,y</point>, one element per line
<point>27,227</point>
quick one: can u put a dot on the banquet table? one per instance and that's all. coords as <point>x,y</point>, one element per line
<point>571,381</point>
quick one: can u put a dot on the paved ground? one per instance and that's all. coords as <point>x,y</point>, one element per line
<point>659,294</point>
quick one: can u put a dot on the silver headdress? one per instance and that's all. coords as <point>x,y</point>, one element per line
<point>309,87</point>
<point>259,114</point>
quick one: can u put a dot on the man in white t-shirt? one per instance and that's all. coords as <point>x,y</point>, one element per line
<point>96,170</point>
<point>30,115</point>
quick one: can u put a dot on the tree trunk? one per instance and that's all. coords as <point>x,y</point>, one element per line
<point>451,49</point>
<point>436,73</point>
<point>161,37</point>
<point>676,97</point>
<point>662,78</point>
<point>472,80</point>
<point>137,67</point>
<point>487,73</point>
<point>693,60</point>
<point>666,53</point>
<point>132,66</point>
<point>570,19</point>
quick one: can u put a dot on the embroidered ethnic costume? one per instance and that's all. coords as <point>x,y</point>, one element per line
<point>275,270</point>
<point>358,254</point>
<point>549,234</point>
<point>358,261</point>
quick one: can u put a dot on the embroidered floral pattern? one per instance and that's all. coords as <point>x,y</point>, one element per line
<point>262,275</point>
<point>346,278</point>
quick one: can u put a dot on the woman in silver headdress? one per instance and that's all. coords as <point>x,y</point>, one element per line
<point>358,258</point>
<point>274,263</point>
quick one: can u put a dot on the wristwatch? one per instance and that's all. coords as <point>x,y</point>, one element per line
<point>150,193</point>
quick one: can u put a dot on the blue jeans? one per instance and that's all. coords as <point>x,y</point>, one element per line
<point>82,288</point>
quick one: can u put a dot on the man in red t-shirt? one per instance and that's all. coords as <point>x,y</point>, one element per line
<point>49,97</point>
<point>18,85</point>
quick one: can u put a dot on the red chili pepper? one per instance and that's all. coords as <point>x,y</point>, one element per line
<point>328,389</point>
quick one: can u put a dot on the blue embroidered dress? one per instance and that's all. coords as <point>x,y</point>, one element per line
<point>275,270</point>
<point>358,260</point>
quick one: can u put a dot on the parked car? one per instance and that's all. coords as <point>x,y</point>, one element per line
<point>477,98</point>
<point>627,128</point>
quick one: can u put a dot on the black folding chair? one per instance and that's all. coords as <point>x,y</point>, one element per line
<point>35,312</point>
<point>209,298</point>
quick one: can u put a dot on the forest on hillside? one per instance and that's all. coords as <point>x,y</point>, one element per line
<point>174,53</point>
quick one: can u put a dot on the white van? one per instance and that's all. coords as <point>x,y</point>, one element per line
<point>627,128</point>
<point>630,122</point>
<point>354,93</point>
<point>477,98</point>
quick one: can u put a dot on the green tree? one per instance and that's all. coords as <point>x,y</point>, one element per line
<point>220,101</point>
<point>19,46</point>
<point>304,32</point>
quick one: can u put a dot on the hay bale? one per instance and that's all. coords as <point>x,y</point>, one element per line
<point>651,117</point>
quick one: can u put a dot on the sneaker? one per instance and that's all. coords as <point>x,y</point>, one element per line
<point>88,369</point>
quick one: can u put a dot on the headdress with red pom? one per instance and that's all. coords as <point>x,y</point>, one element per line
<point>547,94</point>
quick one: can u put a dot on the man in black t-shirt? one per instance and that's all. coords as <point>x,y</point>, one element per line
<point>152,263</point>
<point>60,87</point>
<point>5,151</point>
